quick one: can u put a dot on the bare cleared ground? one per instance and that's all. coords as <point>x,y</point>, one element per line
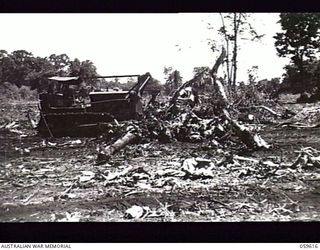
<point>59,180</point>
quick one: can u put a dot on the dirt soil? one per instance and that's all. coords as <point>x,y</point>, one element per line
<point>58,180</point>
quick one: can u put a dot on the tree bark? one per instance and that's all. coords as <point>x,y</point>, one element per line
<point>219,61</point>
<point>110,150</point>
<point>227,48</point>
<point>235,49</point>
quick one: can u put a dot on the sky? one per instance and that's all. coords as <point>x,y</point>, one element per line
<point>140,43</point>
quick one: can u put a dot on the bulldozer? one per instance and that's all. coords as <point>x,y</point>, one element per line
<point>67,110</point>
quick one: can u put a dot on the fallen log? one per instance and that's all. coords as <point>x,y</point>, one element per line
<point>105,154</point>
<point>297,125</point>
<point>241,158</point>
<point>268,109</point>
<point>243,133</point>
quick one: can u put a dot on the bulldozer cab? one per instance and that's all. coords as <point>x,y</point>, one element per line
<point>62,92</point>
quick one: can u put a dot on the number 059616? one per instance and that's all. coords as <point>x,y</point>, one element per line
<point>308,246</point>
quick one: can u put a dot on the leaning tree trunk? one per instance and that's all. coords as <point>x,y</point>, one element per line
<point>250,140</point>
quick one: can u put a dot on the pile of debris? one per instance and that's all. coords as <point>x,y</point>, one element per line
<point>180,122</point>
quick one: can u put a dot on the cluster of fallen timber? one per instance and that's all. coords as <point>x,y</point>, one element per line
<point>221,118</point>
<point>180,122</point>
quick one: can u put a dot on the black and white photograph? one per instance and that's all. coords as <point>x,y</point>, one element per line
<point>160,117</point>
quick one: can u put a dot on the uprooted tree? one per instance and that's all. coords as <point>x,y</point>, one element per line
<point>250,140</point>
<point>179,122</point>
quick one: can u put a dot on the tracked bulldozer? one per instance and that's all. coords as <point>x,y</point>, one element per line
<point>66,109</point>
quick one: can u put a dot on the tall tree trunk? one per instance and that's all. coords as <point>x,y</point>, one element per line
<point>228,52</point>
<point>235,49</point>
